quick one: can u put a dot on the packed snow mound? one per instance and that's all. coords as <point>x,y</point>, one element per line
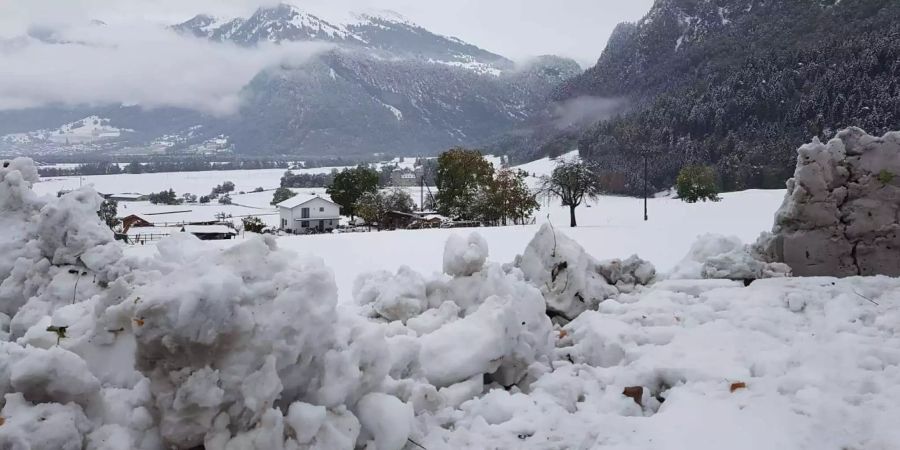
<point>499,316</point>
<point>571,280</point>
<point>195,346</point>
<point>715,256</point>
<point>841,214</point>
<point>217,335</point>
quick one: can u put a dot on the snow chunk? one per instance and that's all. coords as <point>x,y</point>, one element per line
<point>305,420</point>
<point>720,257</point>
<point>47,426</point>
<point>242,329</point>
<point>464,256</point>
<point>53,375</point>
<point>387,419</point>
<point>487,334</point>
<point>627,274</point>
<point>392,297</point>
<point>567,276</point>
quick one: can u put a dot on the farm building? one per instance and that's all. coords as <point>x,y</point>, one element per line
<point>135,221</point>
<point>308,213</point>
<point>210,232</point>
<point>399,220</point>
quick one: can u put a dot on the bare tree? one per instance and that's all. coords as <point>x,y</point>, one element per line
<point>572,182</point>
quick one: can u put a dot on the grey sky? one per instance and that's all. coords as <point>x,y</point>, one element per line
<point>515,28</point>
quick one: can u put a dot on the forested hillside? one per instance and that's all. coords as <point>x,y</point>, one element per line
<point>738,84</point>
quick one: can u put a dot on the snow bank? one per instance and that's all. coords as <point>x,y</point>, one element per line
<point>784,363</point>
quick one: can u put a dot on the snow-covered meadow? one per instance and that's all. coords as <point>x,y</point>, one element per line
<point>436,339</point>
<point>610,227</point>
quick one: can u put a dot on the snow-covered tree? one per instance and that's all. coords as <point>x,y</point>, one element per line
<point>572,182</point>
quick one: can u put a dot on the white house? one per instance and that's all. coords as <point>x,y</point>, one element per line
<point>303,213</point>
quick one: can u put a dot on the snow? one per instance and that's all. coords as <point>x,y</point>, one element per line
<point>396,112</point>
<point>464,257</point>
<point>723,257</point>
<point>253,344</point>
<point>478,67</point>
<point>387,418</point>
<point>298,200</point>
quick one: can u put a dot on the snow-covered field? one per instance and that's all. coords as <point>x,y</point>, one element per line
<point>612,227</point>
<point>321,342</point>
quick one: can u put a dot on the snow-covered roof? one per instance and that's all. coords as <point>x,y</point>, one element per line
<point>208,229</point>
<point>300,199</point>
<point>127,195</point>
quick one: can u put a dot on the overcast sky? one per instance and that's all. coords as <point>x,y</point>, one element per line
<point>515,28</point>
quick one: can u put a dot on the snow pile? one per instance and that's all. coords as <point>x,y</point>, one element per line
<point>721,257</point>
<point>785,363</point>
<point>572,281</point>
<point>242,348</point>
<point>493,310</point>
<point>225,336</point>
<point>841,214</point>
<point>238,348</point>
<point>247,348</point>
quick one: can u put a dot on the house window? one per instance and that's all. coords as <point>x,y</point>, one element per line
<point>321,209</point>
<point>283,223</point>
<point>304,213</point>
<point>304,224</point>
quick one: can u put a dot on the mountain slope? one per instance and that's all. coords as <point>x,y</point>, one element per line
<point>389,85</point>
<point>384,84</point>
<point>738,84</point>
<point>348,100</point>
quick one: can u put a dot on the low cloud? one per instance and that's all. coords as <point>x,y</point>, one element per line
<point>133,64</point>
<point>586,110</point>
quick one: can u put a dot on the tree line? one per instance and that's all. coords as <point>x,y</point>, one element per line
<point>744,97</point>
<point>134,167</point>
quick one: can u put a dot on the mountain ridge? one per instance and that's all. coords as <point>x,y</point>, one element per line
<point>386,85</point>
<point>735,84</point>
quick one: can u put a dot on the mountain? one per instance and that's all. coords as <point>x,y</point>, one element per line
<point>738,84</point>
<point>385,85</point>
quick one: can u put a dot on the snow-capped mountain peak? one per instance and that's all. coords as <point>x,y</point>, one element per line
<point>384,31</point>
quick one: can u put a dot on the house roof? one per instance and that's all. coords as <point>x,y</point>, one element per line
<point>300,199</point>
<point>127,195</point>
<point>137,217</point>
<point>208,229</point>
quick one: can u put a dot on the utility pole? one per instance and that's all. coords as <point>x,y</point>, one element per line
<point>645,188</point>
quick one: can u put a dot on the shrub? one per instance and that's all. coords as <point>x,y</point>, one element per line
<point>253,224</point>
<point>282,194</point>
<point>696,183</point>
